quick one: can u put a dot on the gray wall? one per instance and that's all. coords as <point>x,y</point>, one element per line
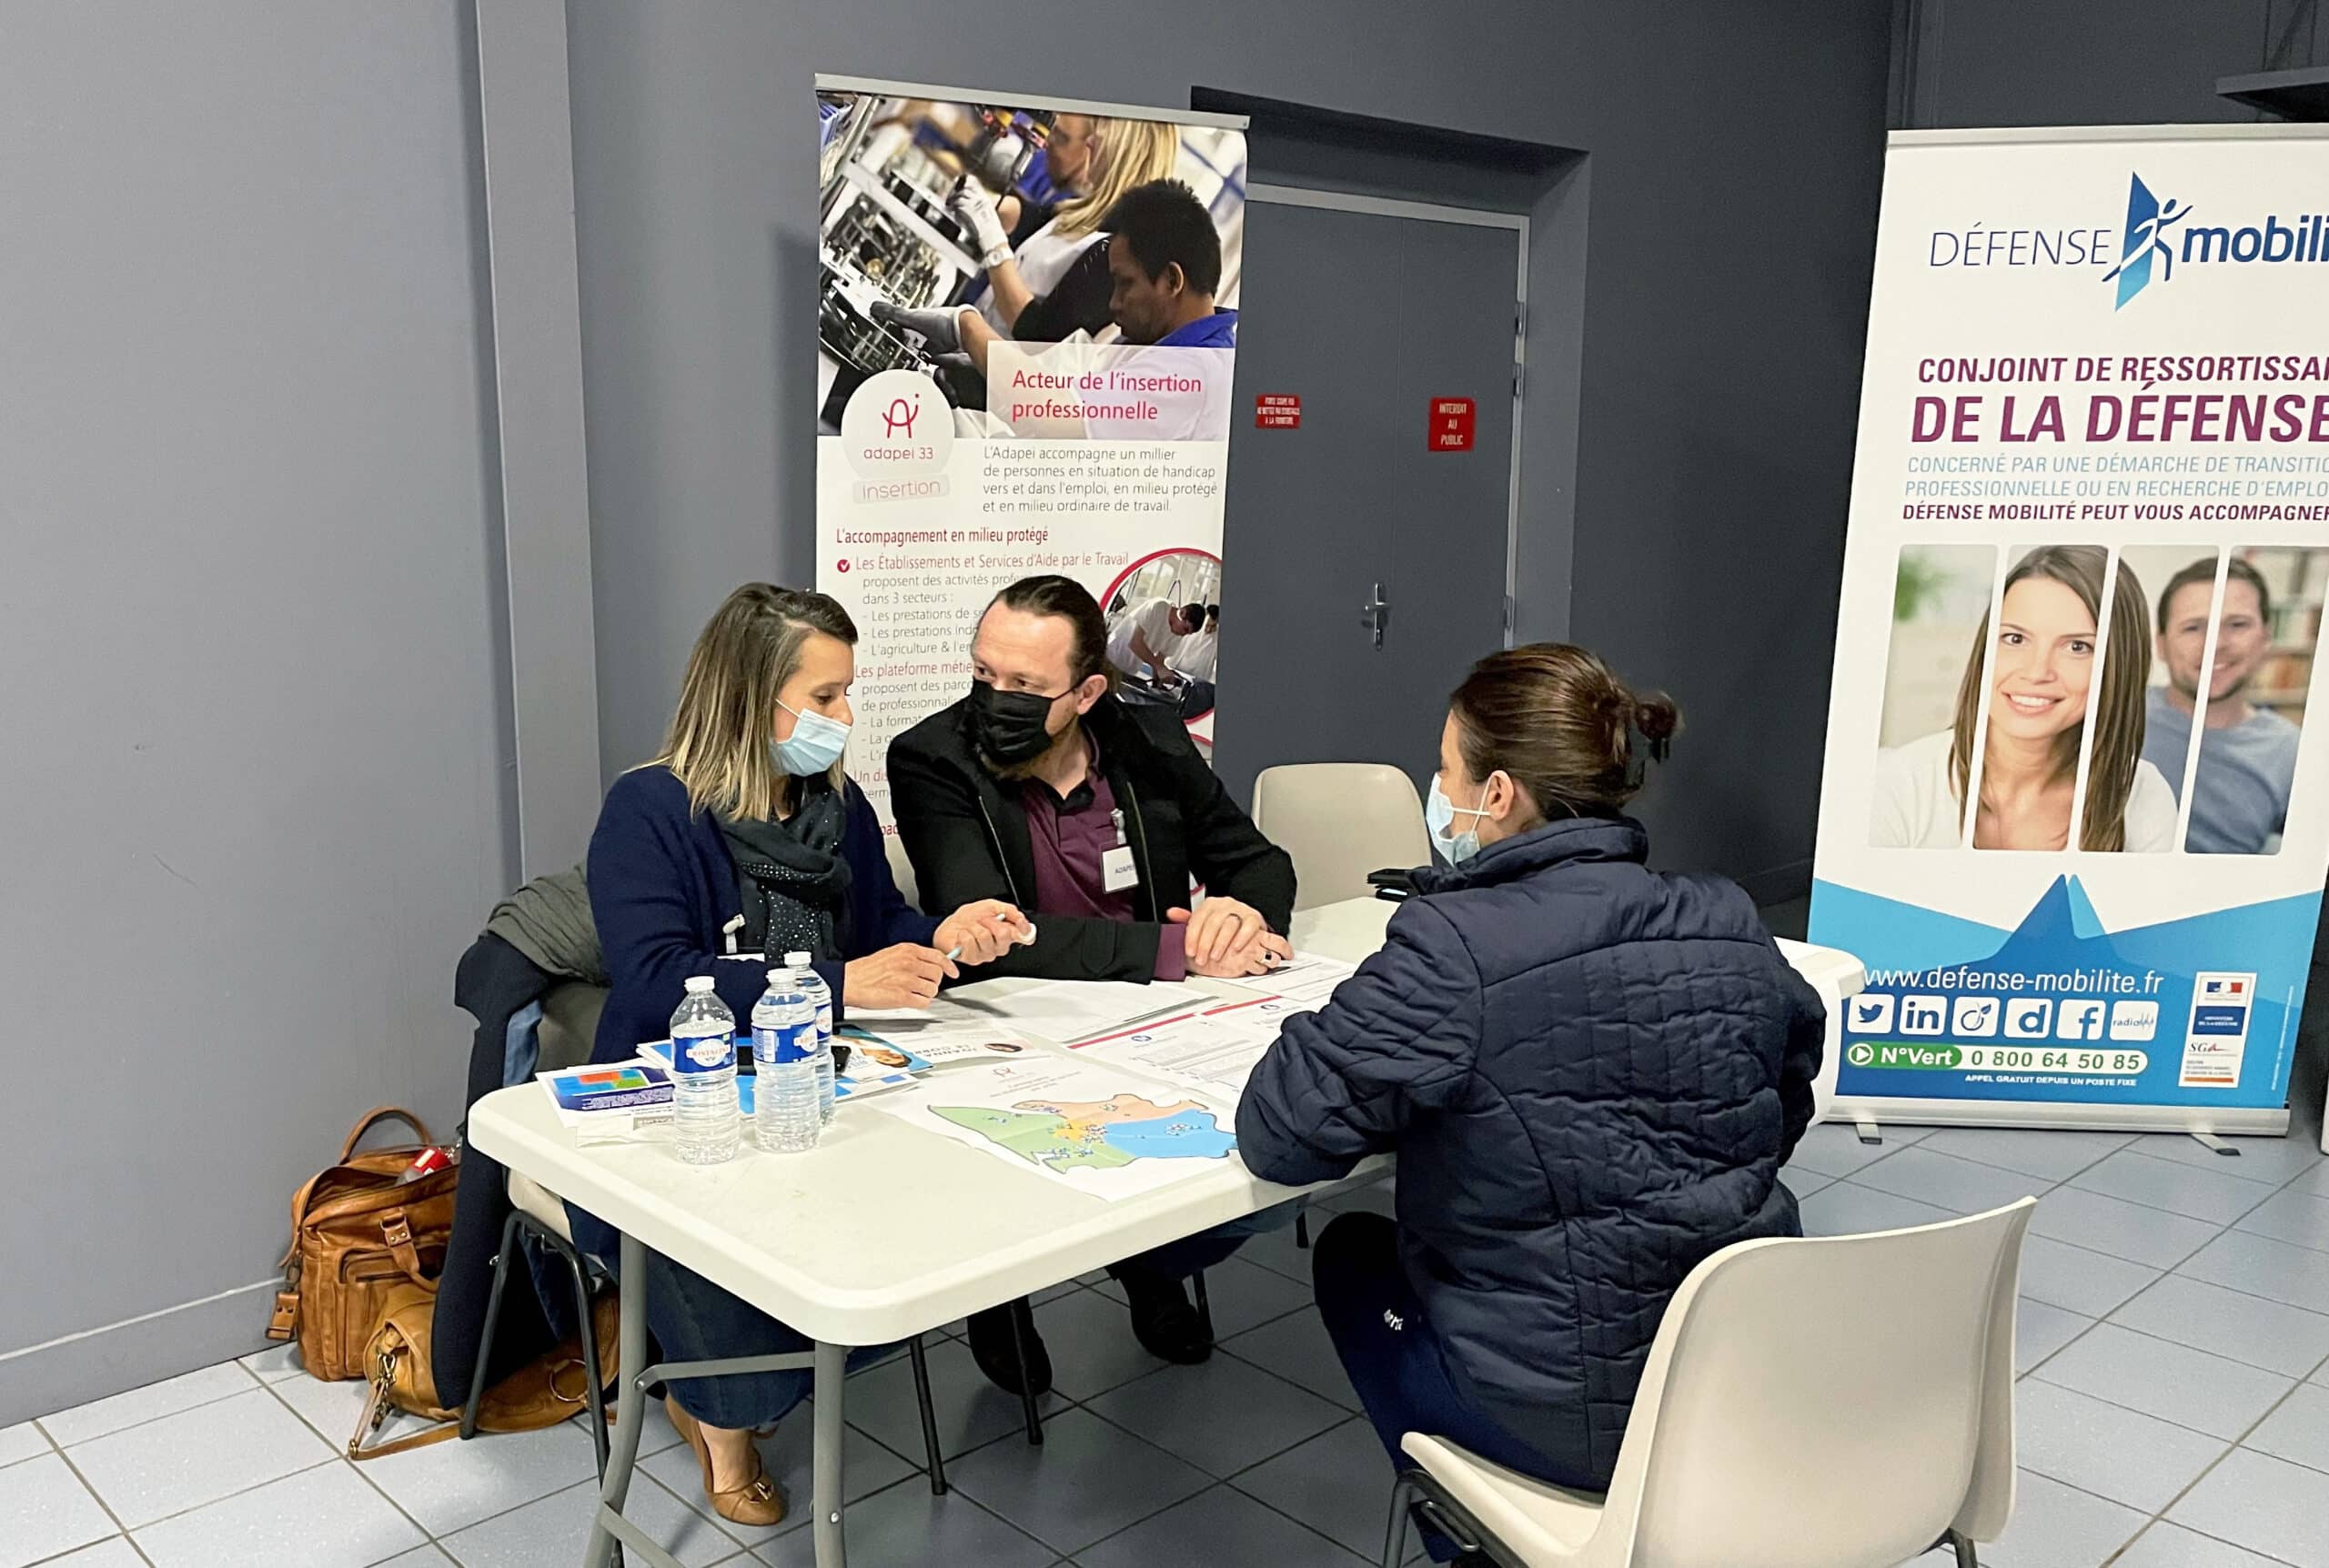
<point>252,763</point>
<point>1734,153</point>
<point>2079,62</point>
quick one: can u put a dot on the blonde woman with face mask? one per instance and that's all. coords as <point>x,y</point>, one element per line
<point>741,841</point>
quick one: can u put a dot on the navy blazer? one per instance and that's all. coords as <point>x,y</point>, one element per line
<point>1591,1073</point>
<point>663,886</point>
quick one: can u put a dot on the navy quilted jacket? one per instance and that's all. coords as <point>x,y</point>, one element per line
<point>1591,1073</point>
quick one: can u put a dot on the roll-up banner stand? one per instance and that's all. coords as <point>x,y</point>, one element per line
<point>1002,391</point>
<point>2083,591</point>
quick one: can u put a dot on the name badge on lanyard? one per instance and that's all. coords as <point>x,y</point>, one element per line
<point>1117,872</point>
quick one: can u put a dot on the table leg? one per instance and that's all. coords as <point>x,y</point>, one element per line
<point>824,1463</point>
<point>631,1402</point>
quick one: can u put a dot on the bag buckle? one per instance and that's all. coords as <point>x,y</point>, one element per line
<point>286,1317</point>
<point>397,1229</point>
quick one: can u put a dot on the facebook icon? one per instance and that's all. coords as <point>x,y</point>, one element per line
<point>2079,1021</point>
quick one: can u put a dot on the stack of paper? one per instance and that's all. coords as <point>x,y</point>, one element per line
<point>618,1101</point>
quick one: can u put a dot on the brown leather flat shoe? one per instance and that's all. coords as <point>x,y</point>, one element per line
<point>755,1503</point>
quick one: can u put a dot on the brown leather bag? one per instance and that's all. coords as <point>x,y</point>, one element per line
<point>543,1392</point>
<point>357,1234</point>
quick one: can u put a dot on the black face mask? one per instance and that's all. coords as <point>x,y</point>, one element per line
<point>1009,727</point>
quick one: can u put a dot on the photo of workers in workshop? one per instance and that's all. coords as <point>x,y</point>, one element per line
<point>1060,275</point>
<point>1164,629</point>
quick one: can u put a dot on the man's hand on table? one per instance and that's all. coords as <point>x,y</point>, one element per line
<point>1226,940</point>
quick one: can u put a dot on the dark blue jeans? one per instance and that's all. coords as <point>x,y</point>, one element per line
<point>1394,1359</point>
<point>694,1319</point>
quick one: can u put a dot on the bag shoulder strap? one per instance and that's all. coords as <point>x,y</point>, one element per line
<point>365,1122</point>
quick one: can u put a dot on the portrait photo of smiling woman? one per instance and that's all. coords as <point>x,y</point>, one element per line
<point>2040,674</point>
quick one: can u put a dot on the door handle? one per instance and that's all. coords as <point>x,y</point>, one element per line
<point>1376,614</point>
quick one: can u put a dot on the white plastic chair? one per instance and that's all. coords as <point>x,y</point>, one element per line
<point>1339,820</point>
<point>1834,1402</point>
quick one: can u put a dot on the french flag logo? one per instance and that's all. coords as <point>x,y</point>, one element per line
<point>2227,988</point>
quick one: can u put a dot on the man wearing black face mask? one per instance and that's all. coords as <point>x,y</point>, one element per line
<point>1095,817</point>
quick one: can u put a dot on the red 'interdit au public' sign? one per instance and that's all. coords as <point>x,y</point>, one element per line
<point>1451,424</point>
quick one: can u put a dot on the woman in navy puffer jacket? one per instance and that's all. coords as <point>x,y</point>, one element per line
<point>1591,1073</point>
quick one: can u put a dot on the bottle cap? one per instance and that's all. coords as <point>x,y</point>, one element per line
<point>699,984</point>
<point>797,960</point>
<point>780,976</point>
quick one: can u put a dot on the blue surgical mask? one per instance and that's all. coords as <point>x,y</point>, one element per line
<point>816,744</point>
<point>1440,814</point>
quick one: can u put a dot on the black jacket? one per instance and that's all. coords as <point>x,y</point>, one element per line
<point>1591,1073</point>
<point>967,836</point>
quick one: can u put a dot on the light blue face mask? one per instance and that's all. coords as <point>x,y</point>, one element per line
<point>816,744</point>
<point>1439,815</point>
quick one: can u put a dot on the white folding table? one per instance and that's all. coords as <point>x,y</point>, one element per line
<point>882,1232</point>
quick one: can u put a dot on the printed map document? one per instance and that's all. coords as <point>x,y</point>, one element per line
<point>1088,1124</point>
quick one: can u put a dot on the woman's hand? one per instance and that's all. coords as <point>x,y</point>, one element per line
<point>984,932</point>
<point>975,211</point>
<point>902,976</point>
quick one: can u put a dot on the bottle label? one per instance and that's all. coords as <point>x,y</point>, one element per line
<point>773,1045</point>
<point>703,1053</point>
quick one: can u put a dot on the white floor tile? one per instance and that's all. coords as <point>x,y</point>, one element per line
<point>2053,1155</point>
<point>1803,1183</point>
<point>140,1406</point>
<point>1834,1148</point>
<point>2104,1224</point>
<point>2266,1504</point>
<point>2243,1261</point>
<point>1089,1480</point>
<point>421,1557</point>
<point>2097,1447</point>
<point>552,1532</point>
<point>333,1409</point>
<point>1848,1209</point>
<point>2165,1545</point>
<point>2300,1219</point>
<point>22,1442</point>
<point>2058,1526</point>
<point>451,1485</point>
<point>46,1509</point>
<point>2194,1191</point>
<point>2071,1277</point>
<point>1960,1186</point>
<point>327,1517</point>
<point>2040,1329</point>
<point>2298,1430</point>
<point>2279,1338</point>
<point>906,1527</point>
<point>2272,1161</point>
<point>275,1363</point>
<point>197,1456</point>
<point>118,1552</point>
<point>2172,1381</point>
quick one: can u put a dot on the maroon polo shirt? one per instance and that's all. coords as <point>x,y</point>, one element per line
<point>1069,836</point>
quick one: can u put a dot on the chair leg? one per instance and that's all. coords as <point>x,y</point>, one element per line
<point>492,1322</point>
<point>1394,1534</point>
<point>1205,1306</point>
<point>1021,1314</point>
<point>592,1370</point>
<point>929,1417</point>
<point>1302,1230</point>
<point>1965,1554</point>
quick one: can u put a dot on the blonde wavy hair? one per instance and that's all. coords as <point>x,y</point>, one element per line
<point>717,745</point>
<point>1124,154</point>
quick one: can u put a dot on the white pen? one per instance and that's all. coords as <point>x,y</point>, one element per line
<point>1026,939</point>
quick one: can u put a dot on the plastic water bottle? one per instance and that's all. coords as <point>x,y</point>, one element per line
<point>784,1057</point>
<point>820,997</point>
<point>704,1076</point>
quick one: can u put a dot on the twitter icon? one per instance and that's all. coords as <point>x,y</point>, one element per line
<point>1868,1014</point>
